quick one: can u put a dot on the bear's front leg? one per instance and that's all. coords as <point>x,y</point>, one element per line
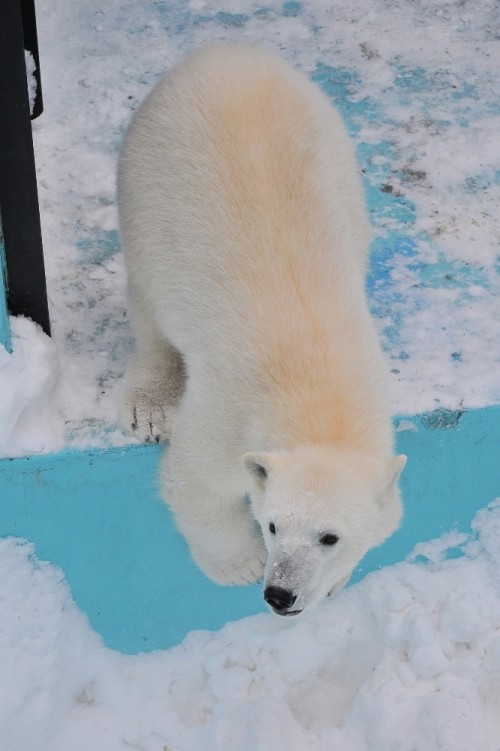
<point>224,539</point>
<point>232,552</point>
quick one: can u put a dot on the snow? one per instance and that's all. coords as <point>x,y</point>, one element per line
<point>31,78</point>
<point>28,376</point>
<point>406,660</point>
<point>417,85</point>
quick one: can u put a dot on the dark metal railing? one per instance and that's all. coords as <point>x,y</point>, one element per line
<point>25,285</point>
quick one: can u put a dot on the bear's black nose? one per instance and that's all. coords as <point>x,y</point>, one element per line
<point>279,599</point>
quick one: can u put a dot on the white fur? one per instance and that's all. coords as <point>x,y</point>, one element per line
<point>245,236</point>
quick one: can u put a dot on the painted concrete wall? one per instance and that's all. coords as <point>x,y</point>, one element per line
<point>98,515</point>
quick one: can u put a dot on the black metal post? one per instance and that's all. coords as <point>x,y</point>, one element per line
<point>26,285</point>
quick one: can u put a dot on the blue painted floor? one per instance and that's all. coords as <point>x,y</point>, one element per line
<point>99,517</point>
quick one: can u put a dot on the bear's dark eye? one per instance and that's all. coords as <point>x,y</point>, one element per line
<point>272,528</point>
<point>329,539</point>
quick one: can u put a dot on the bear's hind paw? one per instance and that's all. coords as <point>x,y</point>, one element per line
<point>150,422</point>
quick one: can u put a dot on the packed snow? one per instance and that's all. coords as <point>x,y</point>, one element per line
<point>406,660</point>
<point>417,83</point>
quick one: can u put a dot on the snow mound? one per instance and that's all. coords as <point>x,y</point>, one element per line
<point>407,660</point>
<point>28,377</point>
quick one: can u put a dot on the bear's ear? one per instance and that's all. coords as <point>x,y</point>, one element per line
<point>259,467</point>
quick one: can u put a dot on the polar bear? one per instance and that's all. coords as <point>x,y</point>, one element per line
<point>245,236</point>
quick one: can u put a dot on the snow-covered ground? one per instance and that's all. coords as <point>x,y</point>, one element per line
<point>417,83</point>
<point>406,660</point>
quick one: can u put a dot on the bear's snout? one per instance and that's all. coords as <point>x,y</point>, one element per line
<point>281,600</point>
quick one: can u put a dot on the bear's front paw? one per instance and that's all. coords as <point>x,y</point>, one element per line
<point>244,566</point>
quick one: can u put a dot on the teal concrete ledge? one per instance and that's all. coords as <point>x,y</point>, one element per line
<point>98,515</point>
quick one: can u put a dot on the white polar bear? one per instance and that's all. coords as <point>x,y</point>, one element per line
<point>245,236</point>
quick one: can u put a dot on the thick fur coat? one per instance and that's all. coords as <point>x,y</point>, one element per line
<point>246,237</point>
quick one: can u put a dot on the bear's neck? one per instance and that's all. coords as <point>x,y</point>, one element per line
<point>314,392</point>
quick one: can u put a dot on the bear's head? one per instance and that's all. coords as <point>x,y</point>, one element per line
<point>320,508</point>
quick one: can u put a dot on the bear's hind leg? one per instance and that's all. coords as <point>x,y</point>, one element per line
<point>153,383</point>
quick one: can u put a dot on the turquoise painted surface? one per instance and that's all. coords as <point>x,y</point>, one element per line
<point>453,470</point>
<point>5,339</point>
<point>98,515</point>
